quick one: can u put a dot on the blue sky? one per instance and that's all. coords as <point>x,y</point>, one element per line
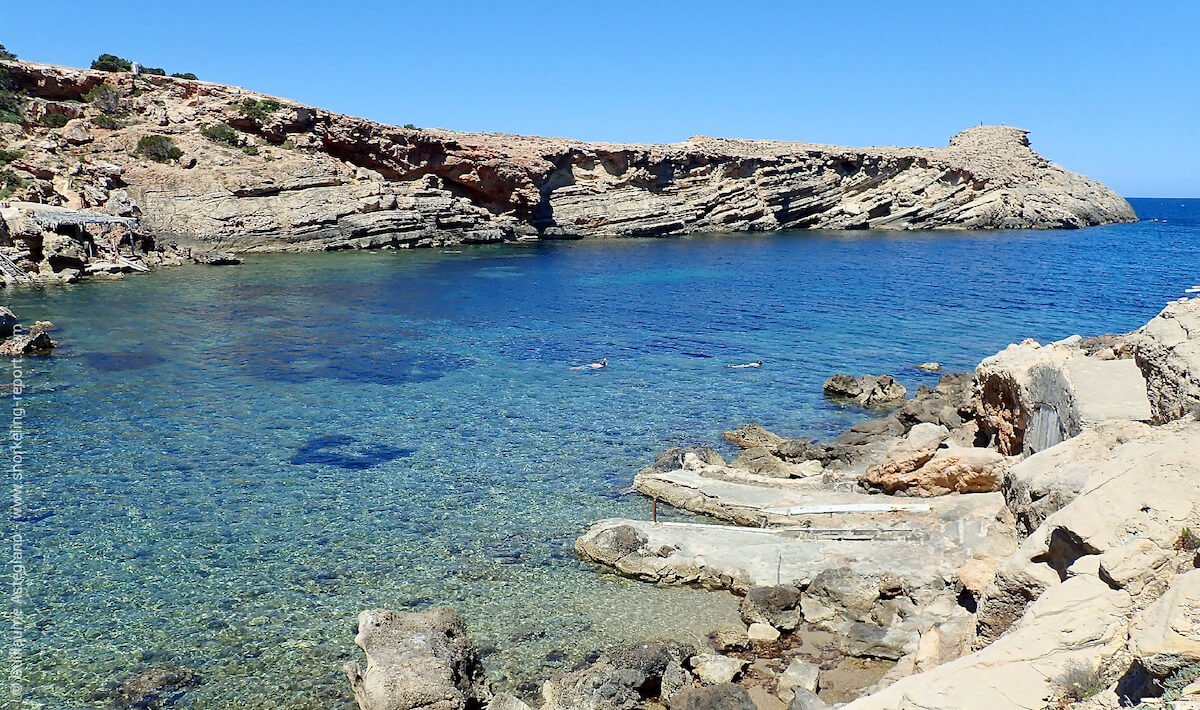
<point>1108,89</point>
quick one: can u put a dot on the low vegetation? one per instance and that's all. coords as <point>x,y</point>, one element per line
<point>411,127</point>
<point>185,75</point>
<point>1174,684</point>
<point>10,182</point>
<point>1078,681</point>
<point>158,148</point>
<point>106,121</point>
<point>221,133</point>
<point>7,156</point>
<point>250,149</point>
<point>54,120</point>
<point>12,101</point>
<point>105,98</point>
<point>6,55</point>
<point>1187,540</point>
<point>259,110</point>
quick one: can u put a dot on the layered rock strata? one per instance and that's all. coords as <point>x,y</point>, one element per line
<point>292,177</point>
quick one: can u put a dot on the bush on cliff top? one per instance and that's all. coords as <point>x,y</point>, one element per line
<point>105,121</point>
<point>111,62</point>
<point>260,111</point>
<point>221,133</point>
<point>185,75</point>
<point>158,148</point>
<point>6,55</point>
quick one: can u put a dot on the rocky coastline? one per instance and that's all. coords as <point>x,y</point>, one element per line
<point>1020,536</point>
<point>186,165</point>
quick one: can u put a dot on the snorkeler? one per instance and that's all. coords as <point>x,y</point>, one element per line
<point>757,363</point>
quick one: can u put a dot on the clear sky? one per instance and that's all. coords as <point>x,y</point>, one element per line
<point>1108,88</point>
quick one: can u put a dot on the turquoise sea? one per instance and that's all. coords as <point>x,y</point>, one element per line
<point>229,463</point>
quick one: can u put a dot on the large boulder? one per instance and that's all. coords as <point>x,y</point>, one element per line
<point>717,697</point>
<point>417,660</point>
<point>622,677</point>
<point>955,469</point>
<point>778,606</point>
<point>1166,636</point>
<point>752,435</point>
<point>35,342</point>
<point>1032,397</point>
<point>1168,354</point>
<point>907,455</point>
<point>762,461</point>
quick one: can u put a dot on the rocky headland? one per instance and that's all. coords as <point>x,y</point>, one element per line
<point>213,167</point>
<point>1023,536</point>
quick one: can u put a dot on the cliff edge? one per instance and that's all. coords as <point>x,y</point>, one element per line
<point>245,172</point>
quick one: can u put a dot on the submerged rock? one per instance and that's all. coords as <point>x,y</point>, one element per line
<point>154,688</point>
<point>726,696</point>
<point>621,678</point>
<point>417,660</point>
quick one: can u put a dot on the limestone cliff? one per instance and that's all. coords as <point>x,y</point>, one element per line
<point>293,177</point>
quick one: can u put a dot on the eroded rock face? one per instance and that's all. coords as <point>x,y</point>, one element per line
<point>955,469</point>
<point>417,660</point>
<point>1166,636</point>
<point>322,180</point>
<point>1144,490</point>
<point>1168,354</point>
<point>1033,397</point>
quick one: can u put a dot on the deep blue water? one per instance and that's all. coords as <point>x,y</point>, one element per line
<point>231,462</point>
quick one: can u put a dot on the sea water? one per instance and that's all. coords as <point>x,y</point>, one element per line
<point>228,464</point>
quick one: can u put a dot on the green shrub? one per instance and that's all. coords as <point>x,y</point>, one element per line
<point>10,182</point>
<point>54,120</point>
<point>186,75</point>
<point>7,156</point>
<point>250,149</point>
<point>411,127</point>
<point>1187,540</point>
<point>6,55</point>
<point>106,121</point>
<point>220,133</point>
<point>105,98</point>
<point>260,111</point>
<point>158,148</point>
<point>12,106</point>
<point>154,71</point>
<point>1174,684</point>
<point>1078,681</point>
<point>110,62</point>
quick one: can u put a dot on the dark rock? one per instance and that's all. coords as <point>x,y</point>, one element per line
<point>672,459</point>
<point>842,588</point>
<point>761,461</point>
<point>8,320</point>
<point>777,606</point>
<point>872,641</point>
<point>843,385</point>
<point>621,678</point>
<point>36,342</point>
<point>726,696</point>
<point>417,660</point>
<point>154,688</point>
<point>216,258</point>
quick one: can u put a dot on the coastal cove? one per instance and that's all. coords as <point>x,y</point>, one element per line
<point>231,462</point>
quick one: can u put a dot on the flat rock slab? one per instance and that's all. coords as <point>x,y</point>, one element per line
<point>738,558</point>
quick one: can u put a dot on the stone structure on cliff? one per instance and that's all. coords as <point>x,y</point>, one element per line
<point>290,177</point>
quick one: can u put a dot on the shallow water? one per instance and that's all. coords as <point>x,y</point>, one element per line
<point>232,462</point>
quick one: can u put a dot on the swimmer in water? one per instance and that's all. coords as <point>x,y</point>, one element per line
<point>757,363</point>
<point>592,365</point>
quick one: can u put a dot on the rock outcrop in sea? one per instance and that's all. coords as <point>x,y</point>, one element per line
<point>220,168</point>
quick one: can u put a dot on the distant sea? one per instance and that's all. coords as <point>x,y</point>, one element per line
<point>231,462</point>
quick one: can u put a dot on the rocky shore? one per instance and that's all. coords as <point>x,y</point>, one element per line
<point>1017,537</point>
<point>215,167</point>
